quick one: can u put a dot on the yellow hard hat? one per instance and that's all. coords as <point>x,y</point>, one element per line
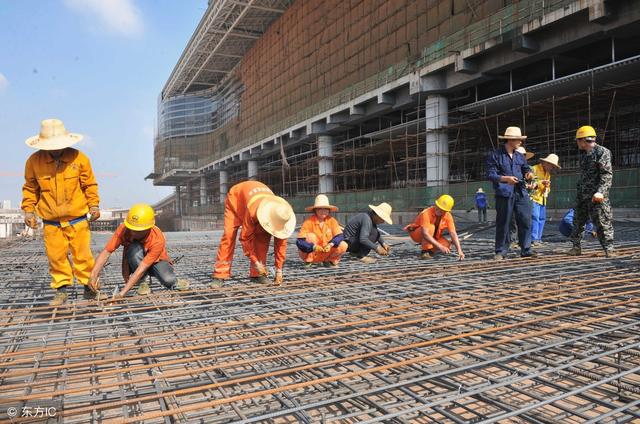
<point>140,217</point>
<point>585,131</point>
<point>445,202</point>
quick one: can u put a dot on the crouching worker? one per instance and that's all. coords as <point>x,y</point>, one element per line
<point>145,253</point>
<point>261,214</point>
<point>361,233</point>
<point>566,225</point>
<point>320,239</point>
<point>429,225</point>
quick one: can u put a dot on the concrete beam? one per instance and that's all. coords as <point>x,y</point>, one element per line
<point>524,44</point>
<point>600,11</point>
<point>465,66</point>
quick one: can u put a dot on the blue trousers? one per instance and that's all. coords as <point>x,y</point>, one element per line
<point>518,205</point>
<point>162,270</point>
<point>538,218</point>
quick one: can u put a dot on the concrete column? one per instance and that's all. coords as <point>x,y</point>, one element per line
<point>203,190</point>
<point>224,179</point>
<point>325,164</point>
<point>437,116</point>
<point>189,196</point>
<point>178,201</point>
<point>252,170</point>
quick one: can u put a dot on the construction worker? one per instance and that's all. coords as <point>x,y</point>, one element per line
<point>320,239</point>
<point>540,191</point>
<point>481,205</point>
<point>361,233</point>
<point>592,198</point>
<point>513,227</point>
<point>145,253</point>
<point>60,188</point>
<point>261,214</point>
<point>566,225</point>
<point>507,169</point>
<point>429,225</point>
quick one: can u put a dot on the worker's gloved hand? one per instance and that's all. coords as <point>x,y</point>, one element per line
<point>381,251</point>
<point>444,249</point>
<point>461,255</point>
<point>387,248</point>
<point>277,281</point>
<point>30,220</point>
<point>318,248</point>
<point>546,183</point>
<point>94,284</point>
<point>598,198</point>
<point>410,228</point>
<point>511,180</point>
<point>327,248</point>
<point>262,270</point>
<point>94,211</point>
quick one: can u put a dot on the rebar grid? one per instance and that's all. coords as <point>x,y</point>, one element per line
<point>552,339</point>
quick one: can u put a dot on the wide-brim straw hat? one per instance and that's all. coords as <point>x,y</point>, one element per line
<point>527,155</point>
<point>512,133</point>
<point>383,210</point>
<point>53,136</point>
<point>276,216</point>
<point>321,202</point>
<point>552,159</point>
<point>480,190</point>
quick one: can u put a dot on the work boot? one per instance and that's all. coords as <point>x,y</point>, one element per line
<point>144,289</point>
<point>575,251</point>
<point>260,280</point>
<point>330,264</point>
<point>498,257</point>
<point>60,298</point>
<point>367,260</point>
<point>308,265</point>
<point>426,255</point>
<point>529,254</point>
<point>217,283</point>
<point>89,294</point>
<point>181,285</point>
<point>610,253</point>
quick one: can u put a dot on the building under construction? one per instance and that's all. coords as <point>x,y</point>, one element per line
<point>393,100</point>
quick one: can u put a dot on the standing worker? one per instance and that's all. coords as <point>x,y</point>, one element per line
<point>539,194</point>
<point>507,169</point>
<point>513,228</point>
<point>320,239</point>
<point>60,188</point>
<point>145,253</point>
<point>361,233</point>
<point>429,225</point>
<point>481,205</point>
<point>592,198</point>
<point>261,214</point>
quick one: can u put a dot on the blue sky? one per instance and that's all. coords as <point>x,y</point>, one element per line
<point>98,65</point>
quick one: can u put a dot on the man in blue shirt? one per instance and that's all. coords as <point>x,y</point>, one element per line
<point>508,171</point>
<point>481,205</point>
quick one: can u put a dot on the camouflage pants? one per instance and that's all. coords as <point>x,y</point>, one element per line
<point>602,219</point>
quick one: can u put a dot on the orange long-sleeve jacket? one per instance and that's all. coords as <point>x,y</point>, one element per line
<point>59,190</point>
<point>244,199</point>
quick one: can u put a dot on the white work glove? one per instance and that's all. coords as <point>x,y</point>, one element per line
<point>94,213</point>
<point>30,220</point>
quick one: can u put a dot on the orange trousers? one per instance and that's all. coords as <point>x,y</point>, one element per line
<point>58,242</point>
<point>334,255</point>
<point>416,235</point>
<point>224,258</point>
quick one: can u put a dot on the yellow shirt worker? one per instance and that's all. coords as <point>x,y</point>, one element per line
<point>60,188</point>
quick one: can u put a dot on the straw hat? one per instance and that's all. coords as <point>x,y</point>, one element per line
<point>480,190</point>
<point>53,136</point>
<point>321,202</point>
<point>527,155</point>
<point>513,133</point>
<point>383,210</point>
<point>553,159</point>
<point>276,216</point>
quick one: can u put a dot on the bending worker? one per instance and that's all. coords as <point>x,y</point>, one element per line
<point>60,187</point>
<point>261,214</point>
<point>361,233</point>
<point>145,253</point>
<point>429,225</point>
<point>320,239</point>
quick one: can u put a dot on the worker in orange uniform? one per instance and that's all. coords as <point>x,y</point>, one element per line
<point>145,253</point>
<point>320,239</point>
<point>429,225</point>
<point>261,214</point>
<point>60,188</point>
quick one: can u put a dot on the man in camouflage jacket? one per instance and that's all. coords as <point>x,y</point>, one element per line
<point>592,198</point>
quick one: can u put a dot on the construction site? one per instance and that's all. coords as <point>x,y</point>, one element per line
<point>366,101</point>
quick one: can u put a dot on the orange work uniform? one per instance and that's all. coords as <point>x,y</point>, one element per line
<point>321,233</point>
<point>240,210</point>
<point>428,220</point>
<point>60,191</point>
<point>154,244</point>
